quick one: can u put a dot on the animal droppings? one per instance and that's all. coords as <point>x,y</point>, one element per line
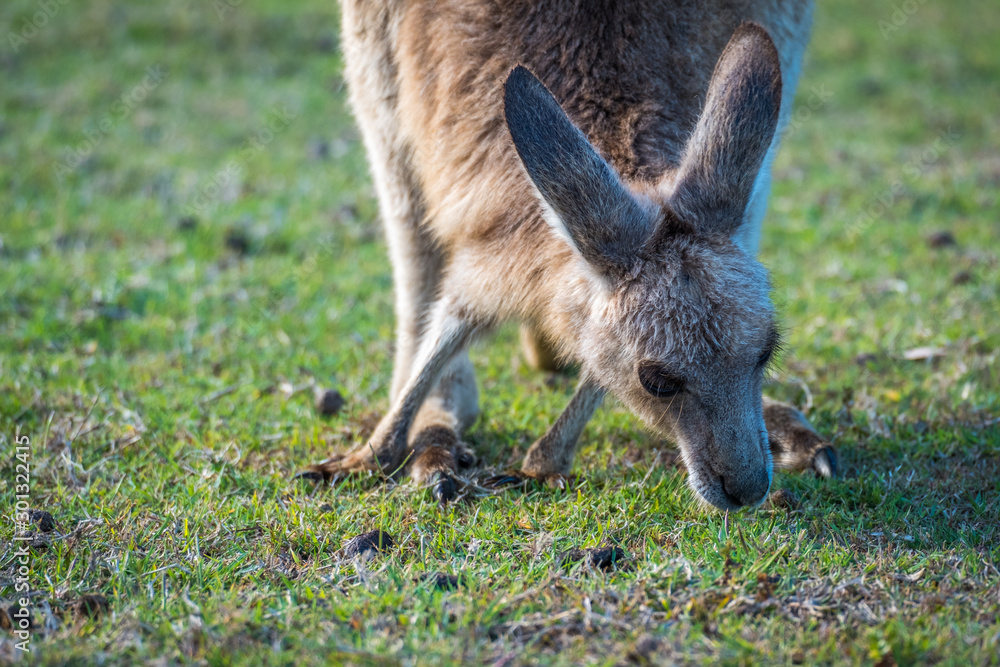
<point>602,558</point>
<point>46,523</point>
<point>368,544</point>
<point>329,402</point>
<point>441,581</point>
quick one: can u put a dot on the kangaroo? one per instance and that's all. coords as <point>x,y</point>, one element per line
<point>597,170</point>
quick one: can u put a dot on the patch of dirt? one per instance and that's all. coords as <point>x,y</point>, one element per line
<point>783,499</point>
<point>187,223</point>
<point>238,241</point>
<point>368,544</point>
<point>765,587</point>
<point>34,540</point>
<point>602,558</point>
<point>441,581</point>
<point>962,278</point>
<point>318,149</point>
<point>942,239</point>
<point>866,358</point>
<point>643,653</point>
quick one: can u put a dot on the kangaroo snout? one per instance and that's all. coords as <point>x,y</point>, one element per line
<point>742,467</point>
<point>743,472</point>
<point>729,465</point>
<point>747,487</point>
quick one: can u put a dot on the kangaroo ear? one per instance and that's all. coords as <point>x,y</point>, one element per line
<point>724,154</point>
<point>588,204</point>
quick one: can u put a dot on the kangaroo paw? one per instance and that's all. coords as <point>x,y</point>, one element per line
<point>556,480</point>
<point>794,443</point>
<point>437,454</point>
<point>825,462</point>
<point>340,466</point>
<point>504,480</point>
<point>510,480</point>
<point>384,453</point>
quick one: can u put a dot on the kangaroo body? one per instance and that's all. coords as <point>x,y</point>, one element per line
<point>576,166</point>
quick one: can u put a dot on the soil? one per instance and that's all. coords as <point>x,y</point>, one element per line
<point>238,241</point>
<point>783,499</point>
<point>441,581</point>
<point>602,558</point>
<point>369,544</point>
<point>941,239</point>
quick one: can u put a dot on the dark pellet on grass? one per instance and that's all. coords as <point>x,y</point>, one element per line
<point>783,499</point>
<point>941,239</point>
<point>865,358</point>
<point>962,278</point>
<point>42,519</point>
<point>603,558</point>
<point>329,402</point>
<point>368,544</point>
<point>441,581</point>
<point>643,651</point>
<point>765,587</point>
<point>326,44</point>
<point>319,149</point>
<point>187,223</point>
<point>237,241</point>
<point>34,540</point>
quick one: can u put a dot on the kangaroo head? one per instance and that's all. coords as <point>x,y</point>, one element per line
<point>682,326</point>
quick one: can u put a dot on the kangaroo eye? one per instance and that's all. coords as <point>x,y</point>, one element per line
<point>772,346</point>
<point>658,381</point>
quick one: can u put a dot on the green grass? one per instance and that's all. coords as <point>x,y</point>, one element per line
<point>171,295</point>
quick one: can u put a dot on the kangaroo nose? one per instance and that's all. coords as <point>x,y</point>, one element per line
<point>747,489</point>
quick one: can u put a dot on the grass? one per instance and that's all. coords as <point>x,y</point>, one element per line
<point>187,251</point>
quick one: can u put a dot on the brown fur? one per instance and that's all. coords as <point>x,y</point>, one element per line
<point>794,444</point>
<point>631,241</point>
